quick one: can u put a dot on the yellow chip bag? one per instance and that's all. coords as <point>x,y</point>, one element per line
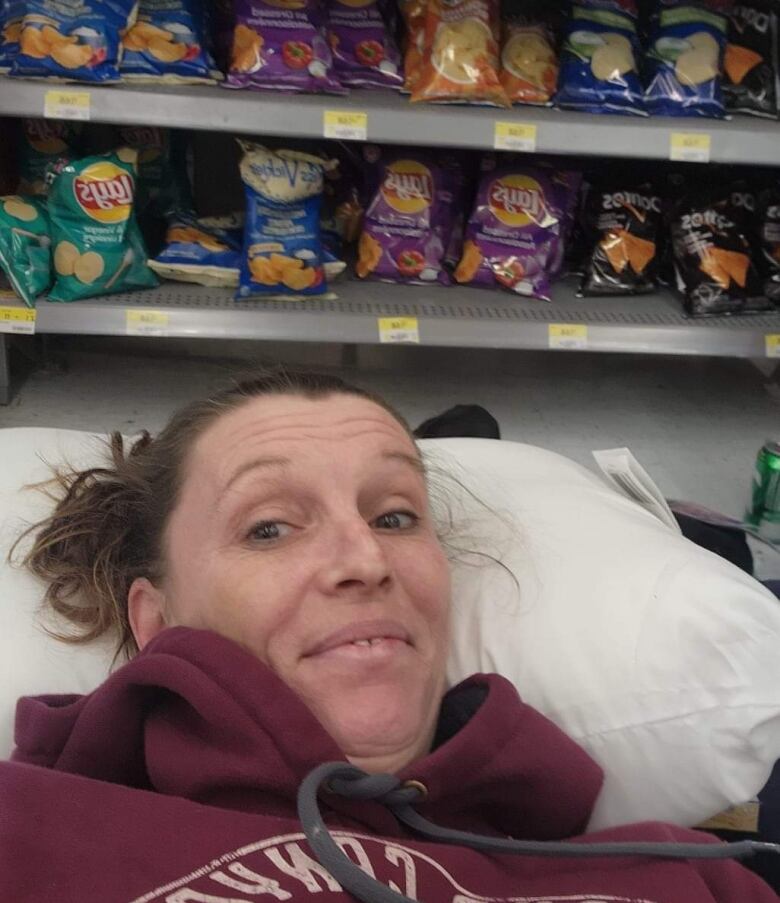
<point>461,54</point>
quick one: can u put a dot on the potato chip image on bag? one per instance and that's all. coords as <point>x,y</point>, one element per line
<point>282,255</point>
<point>25,246</point>
<point>461,58</point>
<point>529,64</point>
<point>96,244</point>
<point>168,43</point>
<point>200,253</point>
<point>685,61</point>
<point>74,42</point>
<point>750,62</point>
<point>11,15</point>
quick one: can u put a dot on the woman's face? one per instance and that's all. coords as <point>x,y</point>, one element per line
<point>303,532</point>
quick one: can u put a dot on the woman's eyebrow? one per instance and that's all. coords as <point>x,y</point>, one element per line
<point>412,460</point>
<point>255,463</point>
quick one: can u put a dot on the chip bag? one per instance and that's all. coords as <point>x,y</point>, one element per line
<point>96,244</point>
<point>514,231</point>
<point>280,45</point>
<point>460,61</point>
<point>11,14</point>
<point>161,185</point>
<point>71,40</point>
<point>195,252</point>
<point>25,246</point>
<point>712,262</point>
<point>42,143</point>
<point>599,60</point>
<point>768,222</point>
<point>684,61</point>
<point>529,65</point>
<point>407,226</point>
<point>622,223</point>
<point>282,254</point>
<point>364,51</point>
<point>750,61</point>
<point>413,15</point>
<point>167,43</point>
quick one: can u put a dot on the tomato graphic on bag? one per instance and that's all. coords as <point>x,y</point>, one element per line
<point>369,53</point>
<point>296,54</point>
<point>410,263</point>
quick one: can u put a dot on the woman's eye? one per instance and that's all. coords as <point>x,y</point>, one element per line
<point>268,531</point>
<point>397,520</point>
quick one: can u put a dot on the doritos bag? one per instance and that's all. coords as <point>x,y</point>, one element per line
<point>196,252</point>
<point>750,62</point>
<point>407,226</point>
<point>280,45</point>
<point>282,254</point>
<point>599,70</point>
<point>622,224</point>
<point>96,243</point>
<point>42,143</point>
<point>513,233</point>
<point>529,64</point>
<point>25,247</point>
<point>685,60</point>
<point>460,61</point>
<point>11,14</point>
<point>768,222</point>
<point>711,251</point>
<point>364,50</point>
<point>71,40</point>
<point>167,43</point>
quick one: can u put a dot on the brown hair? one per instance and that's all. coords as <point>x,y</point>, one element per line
<point>107,527</point>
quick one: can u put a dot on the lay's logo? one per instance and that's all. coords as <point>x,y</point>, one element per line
<point>408,186</point>
<point>517,200</point>
<point>104,192</point>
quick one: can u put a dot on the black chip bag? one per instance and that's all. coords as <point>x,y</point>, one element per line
<point>750,61</point>
<point>712,254</point>
<point>622,230</point>
<point>768,225</point>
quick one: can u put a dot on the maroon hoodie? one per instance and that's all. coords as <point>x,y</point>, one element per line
<point>176,782</point>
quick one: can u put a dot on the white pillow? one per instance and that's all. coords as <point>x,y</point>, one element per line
<point>658,657</point>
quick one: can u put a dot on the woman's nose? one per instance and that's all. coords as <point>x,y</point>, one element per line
<point>356,558</point>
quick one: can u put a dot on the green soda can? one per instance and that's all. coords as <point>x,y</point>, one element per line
<point>764,511</point>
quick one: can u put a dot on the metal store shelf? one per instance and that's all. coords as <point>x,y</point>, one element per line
<point>391,118</point>
<point>456,317</point>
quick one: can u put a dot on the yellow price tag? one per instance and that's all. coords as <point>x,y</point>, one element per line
<point>399,330</point>
<point>515,136</point>
<point>345,125</point>
<point>690,147</point>
<point>773,345</point>
<point>568,336</point>
<point>17,320</point>
<point>146,322</point>
<point>59,104</point>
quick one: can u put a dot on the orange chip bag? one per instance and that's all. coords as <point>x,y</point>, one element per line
<point>413,13</point>
<point>461,54</point>
<point>529,67</point>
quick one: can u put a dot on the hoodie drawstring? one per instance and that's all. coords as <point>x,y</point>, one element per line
<point>352,783</point>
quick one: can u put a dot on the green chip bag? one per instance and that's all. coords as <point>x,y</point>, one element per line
<point>25,246</point>
<point>96,243</point>
<point>42,144</point>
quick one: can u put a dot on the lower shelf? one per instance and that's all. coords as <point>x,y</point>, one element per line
<point>455,317</point>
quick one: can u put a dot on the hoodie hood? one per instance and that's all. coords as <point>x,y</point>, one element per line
<point>196,716</point>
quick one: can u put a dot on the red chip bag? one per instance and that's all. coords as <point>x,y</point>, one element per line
<point>529,66</point>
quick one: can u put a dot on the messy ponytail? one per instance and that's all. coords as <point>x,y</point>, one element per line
<point>108,524</point>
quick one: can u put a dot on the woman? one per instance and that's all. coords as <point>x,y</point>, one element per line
<point>271,566</point>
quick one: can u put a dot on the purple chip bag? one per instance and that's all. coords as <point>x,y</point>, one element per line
<point>364,52</point>
<point>515,232</point>
<point>280,45</point>
<point>407,225</point>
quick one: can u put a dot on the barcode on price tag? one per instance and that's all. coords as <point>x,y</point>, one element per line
<point>690,147</point>
<point>399,330</point>
<point>345,125</point>
<point>66,105</point>
<point>773,345</point>
<point>568,336</point>
<point>17,320</point>
<point>515,136</point>
<point>146,322</point>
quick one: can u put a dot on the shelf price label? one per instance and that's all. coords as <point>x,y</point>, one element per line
<point>146,322</point>
<point>568,336</point>
<point>17,320</point>
<point>61,104</point>
<point>690,147</point>
<point>773,345</point>
<point>399,330</point>
<point>515,136</point>
<point>345,125</point>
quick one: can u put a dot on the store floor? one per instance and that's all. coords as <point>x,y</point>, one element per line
<point>694,423</point>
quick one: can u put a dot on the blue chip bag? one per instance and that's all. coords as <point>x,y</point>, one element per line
<point>685,61</point>
<point>598,71</point>
<point>11,13</point>
<point>200,253</point>
<point>66,39</point>
<point>282,254</point>
<point>168,44</point>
